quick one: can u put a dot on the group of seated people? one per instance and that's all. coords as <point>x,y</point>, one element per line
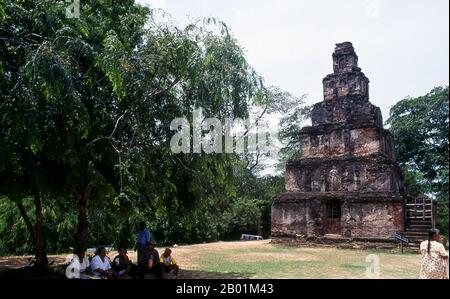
<point>150,262</point>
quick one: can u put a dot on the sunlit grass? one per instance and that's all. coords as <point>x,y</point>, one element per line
<point>291,262</point>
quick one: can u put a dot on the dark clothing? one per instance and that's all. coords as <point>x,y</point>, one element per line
<point>151,255</point>
<point>170,268</point>
<point>156,269</point>
<point>119,264</point>
<point>141,249</point>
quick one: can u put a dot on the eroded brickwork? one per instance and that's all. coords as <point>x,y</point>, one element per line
<point>346,181</point>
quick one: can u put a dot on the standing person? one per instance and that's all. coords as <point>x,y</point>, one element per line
<point>151,263</point>
<point>434,257</point>
<point>143,237</point>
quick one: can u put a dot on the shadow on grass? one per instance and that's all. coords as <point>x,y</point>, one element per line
<point>58,273</point>
<point>198,274</point>
<point>30,272</point>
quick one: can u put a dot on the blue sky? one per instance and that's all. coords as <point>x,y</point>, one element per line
<point>403,45</point>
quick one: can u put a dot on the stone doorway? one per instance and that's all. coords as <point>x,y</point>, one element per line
<point>333,217</point>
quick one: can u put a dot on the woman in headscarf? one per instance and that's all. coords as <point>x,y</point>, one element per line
<point>434,257</point>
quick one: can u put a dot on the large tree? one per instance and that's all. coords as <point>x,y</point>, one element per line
<point>86,106</point>
<point>58,93</point>
<point>421,127</point>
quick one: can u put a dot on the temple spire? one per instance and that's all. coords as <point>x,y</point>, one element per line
<point>347,80</point>
<point>345,59</point>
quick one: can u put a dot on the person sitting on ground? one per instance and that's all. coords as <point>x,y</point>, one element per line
<point>168,262</point>
<point>122,264</point>
<point>151,263</point>
<point>101,265</point>
<point>434,257</point>
<point>82,262</point>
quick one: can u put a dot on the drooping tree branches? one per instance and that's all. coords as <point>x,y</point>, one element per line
<point>86,106</point>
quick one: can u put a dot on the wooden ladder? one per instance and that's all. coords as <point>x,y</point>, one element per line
<point>420,218</point>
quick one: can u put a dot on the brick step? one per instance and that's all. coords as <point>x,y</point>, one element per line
<point>427,219</point>
<point>420,226</point>
<point>418,222</point>
<point>415,243</point>
<point>421,231</point>
<point>417,230</point>
<point>416,239</point>
<point>421,213</point>
<point>416,233</point>
<point>424,227</point>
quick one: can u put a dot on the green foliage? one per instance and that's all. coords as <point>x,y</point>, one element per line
<point>2,10</point>
<point>85,108</point>
<point>15,238</point>
<point>294,113</point>
<point>55,104</point>
<point>421,127</point>
<point>415,182</point>
<point>243,215</point>
<point>259,191</point>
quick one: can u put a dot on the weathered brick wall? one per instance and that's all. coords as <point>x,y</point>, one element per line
<point>355,175</point>
<point>289,219</point>
<point>338,86</point>
<point>372,220</point>
<point>326,142</point>
<point>346,111</point>
<point>298,218</point>
<point>367,217</point>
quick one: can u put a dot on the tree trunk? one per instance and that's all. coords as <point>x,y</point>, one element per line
<point>36,231</point>
<point>41,253</point>
<point>83,223</point>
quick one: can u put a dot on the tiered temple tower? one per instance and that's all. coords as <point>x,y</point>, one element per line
<point>346,184</point>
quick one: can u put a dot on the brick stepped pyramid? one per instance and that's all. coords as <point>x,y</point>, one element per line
<point>345,184</point>
<point>420,218</point>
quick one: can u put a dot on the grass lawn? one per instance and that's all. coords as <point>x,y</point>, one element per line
<point>261,259</point>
